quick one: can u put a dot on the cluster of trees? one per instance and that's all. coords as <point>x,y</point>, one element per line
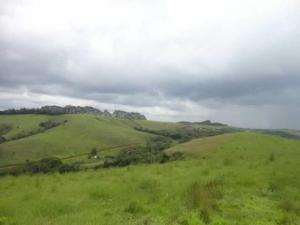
<point>4,128</point>
<point>51,124</point>
<point>45,165</point>
<point>151,153</point>
<point>205,122</point>
<point>180,135</point>
<point>128,115</point>
<point>186,133</point>
<point>52,110</point>
<point>69,109</point>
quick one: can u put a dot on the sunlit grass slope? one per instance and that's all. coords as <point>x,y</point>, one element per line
<point>200,146</point>
<point>244,179</point>
<point>79,134</point>
<point>22,123</point>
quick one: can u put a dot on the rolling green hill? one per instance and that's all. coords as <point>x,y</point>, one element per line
<point>232,179</point>
<point>78,135</point>
<point>227,177</point>
<point>73,134</point>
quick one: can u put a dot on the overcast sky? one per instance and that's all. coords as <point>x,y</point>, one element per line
<point>232,61</point>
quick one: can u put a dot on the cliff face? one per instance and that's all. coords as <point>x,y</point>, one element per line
<point>69,109</point>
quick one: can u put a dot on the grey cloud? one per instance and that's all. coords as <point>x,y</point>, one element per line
<point>176,64</point>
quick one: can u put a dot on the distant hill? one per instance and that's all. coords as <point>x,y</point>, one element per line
<point>206,122</point>
<point>69,109</point>
<point>72,130</point>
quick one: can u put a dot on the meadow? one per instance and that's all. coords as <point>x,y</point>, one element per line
<point>78,135</point>
<point>234,179</point>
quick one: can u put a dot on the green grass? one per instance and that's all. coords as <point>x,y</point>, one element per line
<point>246,178</point>
<point>79,135</point>
<point>200,146</point>
<point>22,123</point>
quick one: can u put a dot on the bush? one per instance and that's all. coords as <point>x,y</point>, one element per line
<point>157,144</point>
<point>2,139</point>
<point>45,165</point>
<point>50,124</point>
<point>5,128</point>
<point>64,168</point>
<point>151,153</point>
<point>124,158</point>
<point>187,133</point>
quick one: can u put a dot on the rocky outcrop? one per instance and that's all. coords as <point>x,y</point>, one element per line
<point>69,109</point>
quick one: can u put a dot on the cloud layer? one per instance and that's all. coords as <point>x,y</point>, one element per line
<point>233,61</point>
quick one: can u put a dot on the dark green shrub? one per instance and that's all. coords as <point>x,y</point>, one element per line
<point>5,128</point>
<point>50,124</point>
<point>124,158</point>
<point>2,139</point>
<point>64,168</point>
<point>151,153</point>
<point>158,143</point>
<point>45,165</point>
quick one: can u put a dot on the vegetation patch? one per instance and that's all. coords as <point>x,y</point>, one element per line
<point>186,133</point>
<point>45,165</point>
<point>153,152</point>
<point>204,198</point>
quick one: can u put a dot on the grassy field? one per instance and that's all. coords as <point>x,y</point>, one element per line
<point>78,135</point>
<point>202,145</point>
<point>237,179</point>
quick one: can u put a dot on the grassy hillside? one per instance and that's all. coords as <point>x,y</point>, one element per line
<point>78,135</point>
<point>157,125</point>
<point>202,145</point>
<point>237,179</point>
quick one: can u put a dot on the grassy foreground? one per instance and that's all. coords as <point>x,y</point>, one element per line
<point>245,179</point>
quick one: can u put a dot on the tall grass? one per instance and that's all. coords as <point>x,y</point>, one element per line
<point>198,191</point>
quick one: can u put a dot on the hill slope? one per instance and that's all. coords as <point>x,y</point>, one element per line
<point>246,178</point>
<point>34,136</point>
<point>79,134</point>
